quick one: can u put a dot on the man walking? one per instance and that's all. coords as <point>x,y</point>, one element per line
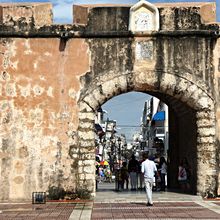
<point>148,168</point>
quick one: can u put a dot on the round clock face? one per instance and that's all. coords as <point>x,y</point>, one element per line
<point>143,21</point>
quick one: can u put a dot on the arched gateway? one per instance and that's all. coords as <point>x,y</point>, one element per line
<point>54,77</point>
<point>171,88</point>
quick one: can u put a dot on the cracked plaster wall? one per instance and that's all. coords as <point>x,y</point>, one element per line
<point>38,114</point>
<point>217,89</point>
<point>23,14</point>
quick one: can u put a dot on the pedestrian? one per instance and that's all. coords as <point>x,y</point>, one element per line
<point>157,177</point>
<point>101,174</point>
<point>133,167</point>
<point>124,175</point>
<point>140,175</point>
<point>184,175</point>
<point>108,175</point>
<point>163,173</point>
<point>148,168</point>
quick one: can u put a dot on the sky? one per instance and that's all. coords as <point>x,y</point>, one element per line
<point>62,9</point>
<point>126,109</point>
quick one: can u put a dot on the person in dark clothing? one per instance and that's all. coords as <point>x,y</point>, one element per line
<point>133,167</point>
<point>124,175</point>
<point>184,175</point>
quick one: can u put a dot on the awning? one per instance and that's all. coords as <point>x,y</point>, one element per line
<point>159,116</point>
<point>99,130</point>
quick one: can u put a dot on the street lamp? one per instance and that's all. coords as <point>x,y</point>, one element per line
<point>119,150</point>
<point>148,132</point>
<point>112,153</point>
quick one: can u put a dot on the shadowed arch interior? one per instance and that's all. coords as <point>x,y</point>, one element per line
<point>182,139</point>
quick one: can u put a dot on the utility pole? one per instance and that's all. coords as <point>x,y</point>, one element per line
<point>119,150</point>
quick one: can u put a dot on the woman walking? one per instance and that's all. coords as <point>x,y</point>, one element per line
<point>163,173</point>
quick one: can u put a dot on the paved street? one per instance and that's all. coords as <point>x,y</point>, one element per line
<point>109,204</point>
<point>47,211</point>
<point>167,205</point>
<point>160,210</point>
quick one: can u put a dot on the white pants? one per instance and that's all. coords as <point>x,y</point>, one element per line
<point>133,177</point>
<point>149,186</point>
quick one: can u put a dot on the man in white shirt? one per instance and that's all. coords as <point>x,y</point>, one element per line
<point>148,168</point>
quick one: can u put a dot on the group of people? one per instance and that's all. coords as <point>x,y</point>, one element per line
<point>130,172</point>
<point>149,172</point>
<point>152,171</point>
<point>133,173</point>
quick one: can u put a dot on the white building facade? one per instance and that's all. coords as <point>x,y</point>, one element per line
<point>155,127</point>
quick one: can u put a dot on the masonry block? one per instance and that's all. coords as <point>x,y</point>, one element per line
<point>186,15</point>
<point>24,14</point>
<point>183,16</point>
<point>105,17</point>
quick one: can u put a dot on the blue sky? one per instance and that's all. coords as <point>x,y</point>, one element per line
<point>63,8</point>
<point>126,109</point>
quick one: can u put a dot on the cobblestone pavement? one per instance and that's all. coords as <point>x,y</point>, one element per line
<point>47,211</point>
<point>112,210</point>
<point>109,204</point>
<point>160,210</point>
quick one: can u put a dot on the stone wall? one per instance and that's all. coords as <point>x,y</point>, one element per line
<point>217,87</point>
<point>26,15</point>
<point>39,113</point>
<point>54,77</point>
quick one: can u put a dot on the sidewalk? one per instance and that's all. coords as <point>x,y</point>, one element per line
<point>48,211</point>
<point>109,204</point>
<point>167,205</point>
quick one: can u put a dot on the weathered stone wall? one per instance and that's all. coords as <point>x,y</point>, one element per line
<point>54,77</point>
<point>216,67</point>
<point>160,66</point>
<point>180,61</point>
<point>39,113</point>
<point>26,15</point>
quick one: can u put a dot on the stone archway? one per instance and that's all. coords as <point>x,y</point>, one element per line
<point>174,55</point>
<point>183,88</point>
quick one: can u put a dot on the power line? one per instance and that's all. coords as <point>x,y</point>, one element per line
<point>125,103</point>
<point>132,126</point>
